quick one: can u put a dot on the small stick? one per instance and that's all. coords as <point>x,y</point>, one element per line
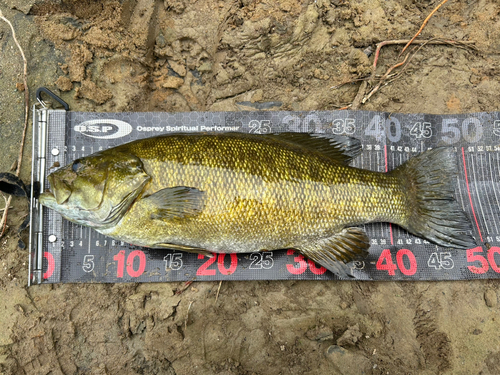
<point>397,75</point>
<point>347,82</point>
<point>359,96</point>
<point>184,287</point>
<point>387,74</point>
<point>3,221</point>
<point>218,290</point>
<point>187,316</point>
<point>423,25</point>
<point>26,92</point>
<point>375,89</point>
<point>406,41</point>
<point>361,92</point>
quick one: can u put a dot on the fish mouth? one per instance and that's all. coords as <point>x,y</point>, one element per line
<point>59,192</point>
<point>47,199</point>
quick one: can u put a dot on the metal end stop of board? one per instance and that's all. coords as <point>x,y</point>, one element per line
<point>52,95</point>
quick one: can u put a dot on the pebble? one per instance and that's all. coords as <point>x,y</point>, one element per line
<point>490,297</point>
<point>349,362</point>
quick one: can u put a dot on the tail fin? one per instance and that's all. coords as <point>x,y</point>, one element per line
<point>434,214</point>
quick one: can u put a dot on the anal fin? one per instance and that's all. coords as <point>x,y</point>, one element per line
<point>335,252</point>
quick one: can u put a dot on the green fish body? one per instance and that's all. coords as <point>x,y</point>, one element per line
<point>236,192</point>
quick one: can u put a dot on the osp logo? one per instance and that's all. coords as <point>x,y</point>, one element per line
<point>104,128</point>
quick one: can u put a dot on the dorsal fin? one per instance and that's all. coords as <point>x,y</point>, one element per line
<point>340,148</point>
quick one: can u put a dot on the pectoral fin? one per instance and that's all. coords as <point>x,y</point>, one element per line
<point>175,202</point>
<point>335,252</point>
<point>187,249</point>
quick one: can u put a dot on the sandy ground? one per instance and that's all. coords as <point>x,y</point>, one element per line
<point>185,55</point>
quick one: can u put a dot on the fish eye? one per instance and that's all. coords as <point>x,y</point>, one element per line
<point>76,165</point>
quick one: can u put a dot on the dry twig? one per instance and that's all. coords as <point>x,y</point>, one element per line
<point>218,290</point>
<point>375,89</point>
<point>187,316</point>
<point>362,89</point>
<point>184,287</point>
<point>423,25</point>
<point>3,222</point>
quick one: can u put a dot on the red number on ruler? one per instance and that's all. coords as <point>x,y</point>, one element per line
<point>120,258</point>
<point>413,262</point>
<point>130,263</point>
<point>302,264</point>
<point>234,263</point>
<point>471,257</point>
<point>389,265</point>
<point>204,271</point>
<point>314,269</point>
<point>391,268</point>
<point>51,264</point>
<point>491,258</point>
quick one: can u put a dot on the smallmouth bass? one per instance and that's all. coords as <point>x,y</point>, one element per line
<point>237,192</point>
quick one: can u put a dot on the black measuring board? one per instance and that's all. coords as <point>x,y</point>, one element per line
<point>62,252</point>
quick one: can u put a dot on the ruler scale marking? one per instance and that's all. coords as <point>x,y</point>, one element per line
<point>478,194</point>
<point>488,194</point>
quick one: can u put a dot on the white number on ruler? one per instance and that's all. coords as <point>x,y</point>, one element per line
<point>311,123</point>
<point>344,126</point>
<point>173,261</point>
<point>260,127</point>
<point>496,127</point>
<point>391,123</point>
<point>421,130</point>
<point>380,129</point>
<point>261,260</point>
<point>358,265</point>
<point>88,263</point>
<point>472,130</point>
<point>316,124</point>
<point>376,128</point>
<point>443,260</point>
